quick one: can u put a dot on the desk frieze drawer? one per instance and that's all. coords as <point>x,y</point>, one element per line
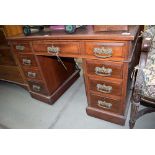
<point>105,50</point>
<point>38,87</point>
<point>22,47</point>
<point>56,47</point>
<point>104,68</point>
<point>105,104</point>
<point>105,87</point>
<point>27,60</point>
<point>32,74</point>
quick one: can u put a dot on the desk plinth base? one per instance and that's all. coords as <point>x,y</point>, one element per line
<point>53,97</point>
<point>111,117</point>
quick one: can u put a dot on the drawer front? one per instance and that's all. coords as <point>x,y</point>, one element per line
<point>104,68</point>
<point>53,47</point>
<point>11,73</point>
<point>38,87</point>
<point>6,57</point>
<point>105,87</point>
<point>106,104</point>
<point>27,60</point>
<point>105,50</point>
<point>22,47</point>
<point>32,74</point>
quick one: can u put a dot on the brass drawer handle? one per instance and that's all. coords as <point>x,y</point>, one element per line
<point>20,47</point>
<point>26,61</point>
<point>103,71</point>
<point>103,88</point>
<point>31,74</point>
<point>53,49</point>
<point>36,88</point>
<point>104,104</point>
<point>103,52</point>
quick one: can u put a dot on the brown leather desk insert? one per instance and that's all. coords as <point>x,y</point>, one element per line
<point>108,59</point>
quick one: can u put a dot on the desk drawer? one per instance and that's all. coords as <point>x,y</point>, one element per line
<point>104,68</point>
<point>21,47</point>
<point>105,50</point>
<point>106,104</point>
<point>27,60</point>
<point>32,74</point>
<point>11,73</point>
<point>53,47</point>
<point>105,87</point>
<point>38,87</point>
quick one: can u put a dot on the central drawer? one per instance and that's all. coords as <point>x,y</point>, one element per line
<point>105,87</point>
<point>52,47</point>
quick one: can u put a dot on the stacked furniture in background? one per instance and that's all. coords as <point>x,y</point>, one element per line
<point>9,70</point>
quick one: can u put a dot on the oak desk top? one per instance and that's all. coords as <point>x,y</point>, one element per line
<point>81,34</point>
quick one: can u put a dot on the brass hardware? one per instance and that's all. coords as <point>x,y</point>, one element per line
<point>103,52</point>
<point>53,49</point>
<point>36,88</point>
<point>31,74</point>
<point>103,88</point>
<point>26,61</point>
<point>103,71</point>
<point>20,47</point>
<point>104,104</point>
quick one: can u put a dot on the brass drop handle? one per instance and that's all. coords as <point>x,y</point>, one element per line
<point>53,49</point>
<point>36,88</point>
<point>31,74</point>
<point>102,52</point>
<point>20,47</point>
<point>26,61</point>
<point>103,71</point>
<point>104,104</point>
<point>103,88</point>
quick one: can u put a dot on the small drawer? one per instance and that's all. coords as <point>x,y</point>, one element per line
<point>22,47</point>
<point>56,47</point>
<point>105,50</point>
<point>106,104</point>
<point>33,74</point>
<point>106,87</point>
<point>27,60</point>
<point>38,87</point>
<point>104,68</point>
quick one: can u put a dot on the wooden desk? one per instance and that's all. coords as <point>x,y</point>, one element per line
<point>108,59</point>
